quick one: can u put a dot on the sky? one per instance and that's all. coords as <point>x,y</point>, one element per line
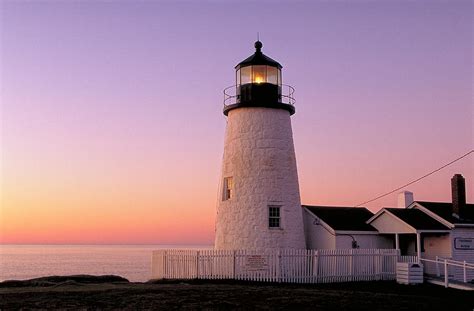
<point>111,111</point>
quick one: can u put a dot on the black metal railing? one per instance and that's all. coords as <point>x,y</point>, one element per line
<point>232,97</point>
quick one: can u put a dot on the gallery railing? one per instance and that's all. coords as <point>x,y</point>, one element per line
<point>232,96</point>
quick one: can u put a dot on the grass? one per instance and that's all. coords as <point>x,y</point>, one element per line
<point>106,293</point>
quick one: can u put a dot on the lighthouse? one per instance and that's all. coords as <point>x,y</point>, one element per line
<point>259,200</point>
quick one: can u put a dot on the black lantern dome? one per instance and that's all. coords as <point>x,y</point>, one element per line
<point>258,84</point>
<point>258,58</point>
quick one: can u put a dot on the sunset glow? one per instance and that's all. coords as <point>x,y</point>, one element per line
<point>112,127</point>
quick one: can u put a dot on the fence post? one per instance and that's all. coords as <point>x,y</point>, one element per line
<point>464,271</point>
<point>197,264</point>
<point>446,273</point>
<point>165,264</point>
<point>437,267</point>
<point>315,265</point>
<point>351,262</point>
<point>233,263</point>
<point>278,266</point>
<point>379,265</point>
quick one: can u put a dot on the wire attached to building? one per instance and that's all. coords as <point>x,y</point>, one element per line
<point>418,179</point>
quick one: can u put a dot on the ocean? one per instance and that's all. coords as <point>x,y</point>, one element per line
<point>133,262</point>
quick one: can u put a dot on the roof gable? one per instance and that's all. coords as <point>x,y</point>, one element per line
<point>386,222</point>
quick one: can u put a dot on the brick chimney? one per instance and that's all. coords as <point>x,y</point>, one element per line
<point>405,198</point>
<point>458,188</point>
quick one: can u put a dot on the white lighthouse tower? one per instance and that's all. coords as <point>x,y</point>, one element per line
<point>259,200</point>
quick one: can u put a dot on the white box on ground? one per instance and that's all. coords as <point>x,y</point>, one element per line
<point>409,273</point>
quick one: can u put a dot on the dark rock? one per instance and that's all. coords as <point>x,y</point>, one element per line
<point>64,280</point>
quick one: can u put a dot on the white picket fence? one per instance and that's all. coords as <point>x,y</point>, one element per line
<point>288,265</point>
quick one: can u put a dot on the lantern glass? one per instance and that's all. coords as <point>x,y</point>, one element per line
<point>272,75</point>
<point>237,77</point>
<point>246,75</point>
<point>259,74</point>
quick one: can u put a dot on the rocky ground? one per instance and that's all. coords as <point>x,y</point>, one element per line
<point>111,292</point>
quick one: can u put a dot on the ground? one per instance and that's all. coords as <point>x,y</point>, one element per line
<point>119,294</point>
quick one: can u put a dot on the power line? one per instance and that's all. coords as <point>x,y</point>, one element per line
<point>416,180</point>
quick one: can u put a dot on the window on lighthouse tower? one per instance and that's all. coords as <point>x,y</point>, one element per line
<point>227,189</point>
<point>274,216</point>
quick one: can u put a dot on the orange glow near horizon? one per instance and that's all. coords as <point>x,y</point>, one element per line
<point>92,207</point>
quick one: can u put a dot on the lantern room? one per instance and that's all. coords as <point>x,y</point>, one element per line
<point>258,69</point>
<point>258,84</point>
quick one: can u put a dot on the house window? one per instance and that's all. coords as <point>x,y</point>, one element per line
<point>274,217</point>
<point>228,189</point>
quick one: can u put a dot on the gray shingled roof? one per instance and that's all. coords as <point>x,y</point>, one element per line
<point>445,211</point>
<point>417,219</point>
<point>343,218</point>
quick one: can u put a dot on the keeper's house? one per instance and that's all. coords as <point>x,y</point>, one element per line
<point>419,228</point>
<point>430,229</point>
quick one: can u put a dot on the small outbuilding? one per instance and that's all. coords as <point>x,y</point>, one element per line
<point>332,227</point>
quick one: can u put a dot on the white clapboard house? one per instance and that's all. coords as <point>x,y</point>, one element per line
<point>430,230</point>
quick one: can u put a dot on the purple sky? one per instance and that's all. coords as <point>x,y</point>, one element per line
<point>125,98</point>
